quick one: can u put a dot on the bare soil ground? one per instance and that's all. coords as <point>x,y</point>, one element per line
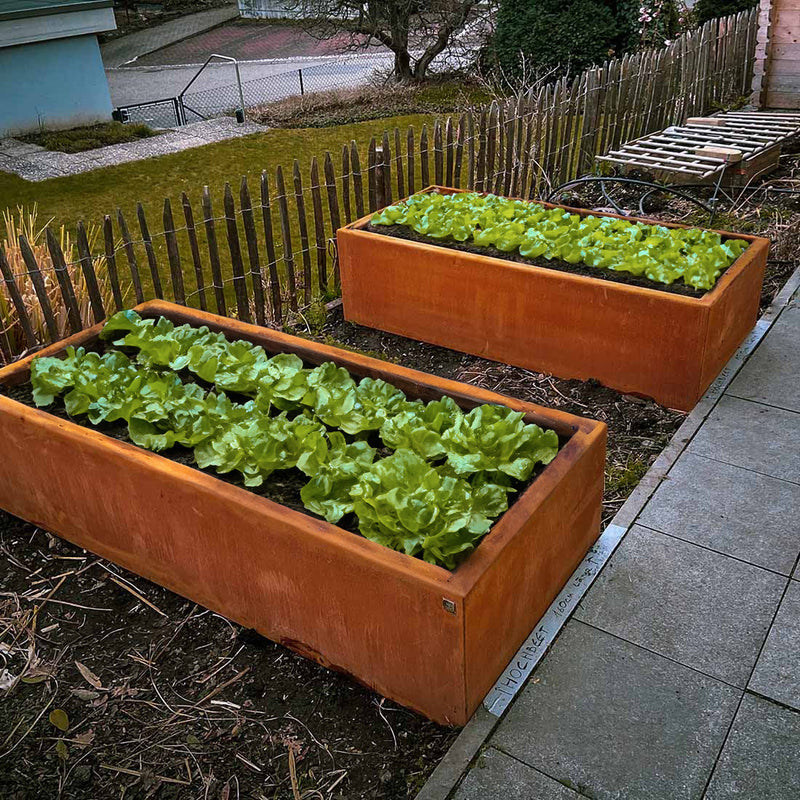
<point>164,699</point>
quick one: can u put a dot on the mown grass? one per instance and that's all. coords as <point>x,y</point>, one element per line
<point>91,195</point>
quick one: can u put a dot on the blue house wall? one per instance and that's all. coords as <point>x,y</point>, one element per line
<point>59,83</point>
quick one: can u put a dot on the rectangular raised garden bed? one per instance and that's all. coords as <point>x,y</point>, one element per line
<point>422,635</point>
<point>638,340</point>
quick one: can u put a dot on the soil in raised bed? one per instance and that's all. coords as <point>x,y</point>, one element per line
<point>282,486</point>
<point>404,232</point>
<point>158,664</point>
<point>156,660</point>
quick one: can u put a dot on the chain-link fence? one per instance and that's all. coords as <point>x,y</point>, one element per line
<point>156,114</point>
<point>217,100</point>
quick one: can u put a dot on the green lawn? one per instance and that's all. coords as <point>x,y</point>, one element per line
<point>88,137</point>
<point>91,195</point>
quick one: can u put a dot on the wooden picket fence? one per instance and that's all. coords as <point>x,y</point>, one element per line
<point>278,254</point>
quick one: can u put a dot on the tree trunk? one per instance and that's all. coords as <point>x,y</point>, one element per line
<point>402,65</point>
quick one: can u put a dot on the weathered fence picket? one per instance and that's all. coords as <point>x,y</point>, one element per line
<point>272,260</point>
<point>519,146</point>
<point>64,282</point>
<point>152,261</point>
<point>24,320</point>
<point>251,238</point>
<point>286,236</point>
<point>213,253</point>
<point>173,255</point>
<point>111,260</point>
<point>305,249</point>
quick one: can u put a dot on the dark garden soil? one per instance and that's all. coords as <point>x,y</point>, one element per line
<point>166,700</point>
<point>404,232</point>
<point>282,486</point>
<point>638,429</point>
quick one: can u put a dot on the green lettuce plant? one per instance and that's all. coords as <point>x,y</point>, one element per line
<point>420,427</point>
<point>433,497</point>
<point>406,504</point>
<point>663,255</point>
<point>328,493</point>
<point>496,441</point>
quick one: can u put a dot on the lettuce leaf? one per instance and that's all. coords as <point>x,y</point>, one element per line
<point>328,492</point>
<point>663,255</point>
<point>420,428</point>
<point>495,439</point>
<point>405,504</point>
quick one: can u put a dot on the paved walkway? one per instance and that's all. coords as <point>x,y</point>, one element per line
<point>34,163</point>
<point>679,674</point>
<point>126,49</point>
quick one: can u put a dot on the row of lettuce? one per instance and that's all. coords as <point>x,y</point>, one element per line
<point>446,480</point>
<point>663,255</point>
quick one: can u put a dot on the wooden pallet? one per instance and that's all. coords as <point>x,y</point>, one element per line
<point>679,154</point>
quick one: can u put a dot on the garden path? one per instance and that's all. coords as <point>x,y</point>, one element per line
<point>34,163</point>
<point>677,676</point>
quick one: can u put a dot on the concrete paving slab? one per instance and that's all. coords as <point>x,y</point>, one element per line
<point>609,719</point>
<point>705,610</point>
<point>760,758</point>
<point>772,375</point>
<point>728,509</point>
<point>497,776</point>
<point>777,673</point>
<point>753,436</point>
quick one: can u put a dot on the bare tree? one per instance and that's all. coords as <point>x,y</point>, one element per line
<point>414,30</point>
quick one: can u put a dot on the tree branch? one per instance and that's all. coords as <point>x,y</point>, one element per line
<point>452,23</point>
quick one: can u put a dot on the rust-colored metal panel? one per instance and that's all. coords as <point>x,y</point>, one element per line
<point>333,596</point>
<point>734,312</point>
<point>543,545</point>
<point>637,340</point>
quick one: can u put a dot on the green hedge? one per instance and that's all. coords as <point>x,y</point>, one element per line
<point>704,10</point>
<point>533,37</point>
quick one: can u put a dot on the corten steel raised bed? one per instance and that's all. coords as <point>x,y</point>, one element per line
<point>637,340</point>
<point>426,637</point>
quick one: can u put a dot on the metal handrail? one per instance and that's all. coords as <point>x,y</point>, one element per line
<point>207,62</point>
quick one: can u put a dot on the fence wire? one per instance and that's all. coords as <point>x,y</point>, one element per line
<point>218,100</point>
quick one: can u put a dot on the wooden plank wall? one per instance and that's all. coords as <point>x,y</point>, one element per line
<point>782,89</point>
<point>268,253</point>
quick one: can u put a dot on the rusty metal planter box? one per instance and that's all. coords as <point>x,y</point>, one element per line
<point>637,340</point>
<point>426,637</point>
